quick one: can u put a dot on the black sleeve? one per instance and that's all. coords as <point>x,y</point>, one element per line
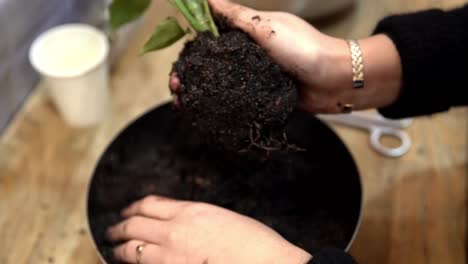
<point>332,256</point>
<point>433,46</point>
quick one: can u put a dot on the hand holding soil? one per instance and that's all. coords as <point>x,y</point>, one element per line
<point>321,63</point>
<point>239,92</point>
<point>198,233</point>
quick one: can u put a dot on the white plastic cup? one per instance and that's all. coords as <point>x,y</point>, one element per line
<point>72,60</point>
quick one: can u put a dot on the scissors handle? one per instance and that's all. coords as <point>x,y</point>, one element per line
<point>378,132</point>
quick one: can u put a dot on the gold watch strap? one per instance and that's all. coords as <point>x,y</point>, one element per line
<point>358,64</point>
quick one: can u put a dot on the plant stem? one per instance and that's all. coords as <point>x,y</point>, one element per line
<point>185,11</point>
<point>195,7</point>
<point>211,22</point>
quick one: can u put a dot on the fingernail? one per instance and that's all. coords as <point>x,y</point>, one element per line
<point>109,234</point>
<point>123,213</point>
<point>174,84</point>
<point>115,254</point>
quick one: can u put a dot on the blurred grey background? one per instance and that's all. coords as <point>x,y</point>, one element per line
<point>21,21</point>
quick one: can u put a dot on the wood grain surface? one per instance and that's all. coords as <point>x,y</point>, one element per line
<point>415,208</point>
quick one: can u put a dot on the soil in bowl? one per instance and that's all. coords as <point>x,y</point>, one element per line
<point>311,197</point>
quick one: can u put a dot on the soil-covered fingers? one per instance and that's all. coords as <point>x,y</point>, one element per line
<point>174,82</point>
<point>248,20</point>
<point>149,253</point>
<point>152,206</point>
<point>174,85</point>
<point>139,228</point>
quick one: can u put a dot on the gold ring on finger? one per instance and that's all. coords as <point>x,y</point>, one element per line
<point>139,252</point>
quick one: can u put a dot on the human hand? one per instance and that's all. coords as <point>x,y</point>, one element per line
<point>294,44</point>
<point>197,233</point>
<point>321,63</point>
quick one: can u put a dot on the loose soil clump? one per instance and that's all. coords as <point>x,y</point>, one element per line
<point>234,93</point>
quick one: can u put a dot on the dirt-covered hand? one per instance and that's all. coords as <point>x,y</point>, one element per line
<point>197,233</point>
<point>320,62</point>
<point>299,48</point>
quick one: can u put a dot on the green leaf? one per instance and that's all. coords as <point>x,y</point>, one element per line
<point>125,11</point>
<point>165,34</point>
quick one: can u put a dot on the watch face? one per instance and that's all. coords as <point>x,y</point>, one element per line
<point>310,194</point>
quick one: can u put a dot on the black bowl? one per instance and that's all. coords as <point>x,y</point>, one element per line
<point>313,197</point>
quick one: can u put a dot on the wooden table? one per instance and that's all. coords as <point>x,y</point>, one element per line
<point>415,207</point>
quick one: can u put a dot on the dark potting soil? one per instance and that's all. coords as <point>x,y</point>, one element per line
<point>312,197</point>
<point>234,93</point>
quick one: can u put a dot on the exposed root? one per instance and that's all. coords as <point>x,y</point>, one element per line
<point>268,143</point>
<point>292,147</point>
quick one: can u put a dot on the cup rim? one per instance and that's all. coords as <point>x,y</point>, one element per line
<point>38,44</point>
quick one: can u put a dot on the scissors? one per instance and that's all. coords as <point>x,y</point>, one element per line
<point>378,127</point>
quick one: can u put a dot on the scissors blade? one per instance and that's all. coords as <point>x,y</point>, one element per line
<point>366,120</point>
<point>346,119</point>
